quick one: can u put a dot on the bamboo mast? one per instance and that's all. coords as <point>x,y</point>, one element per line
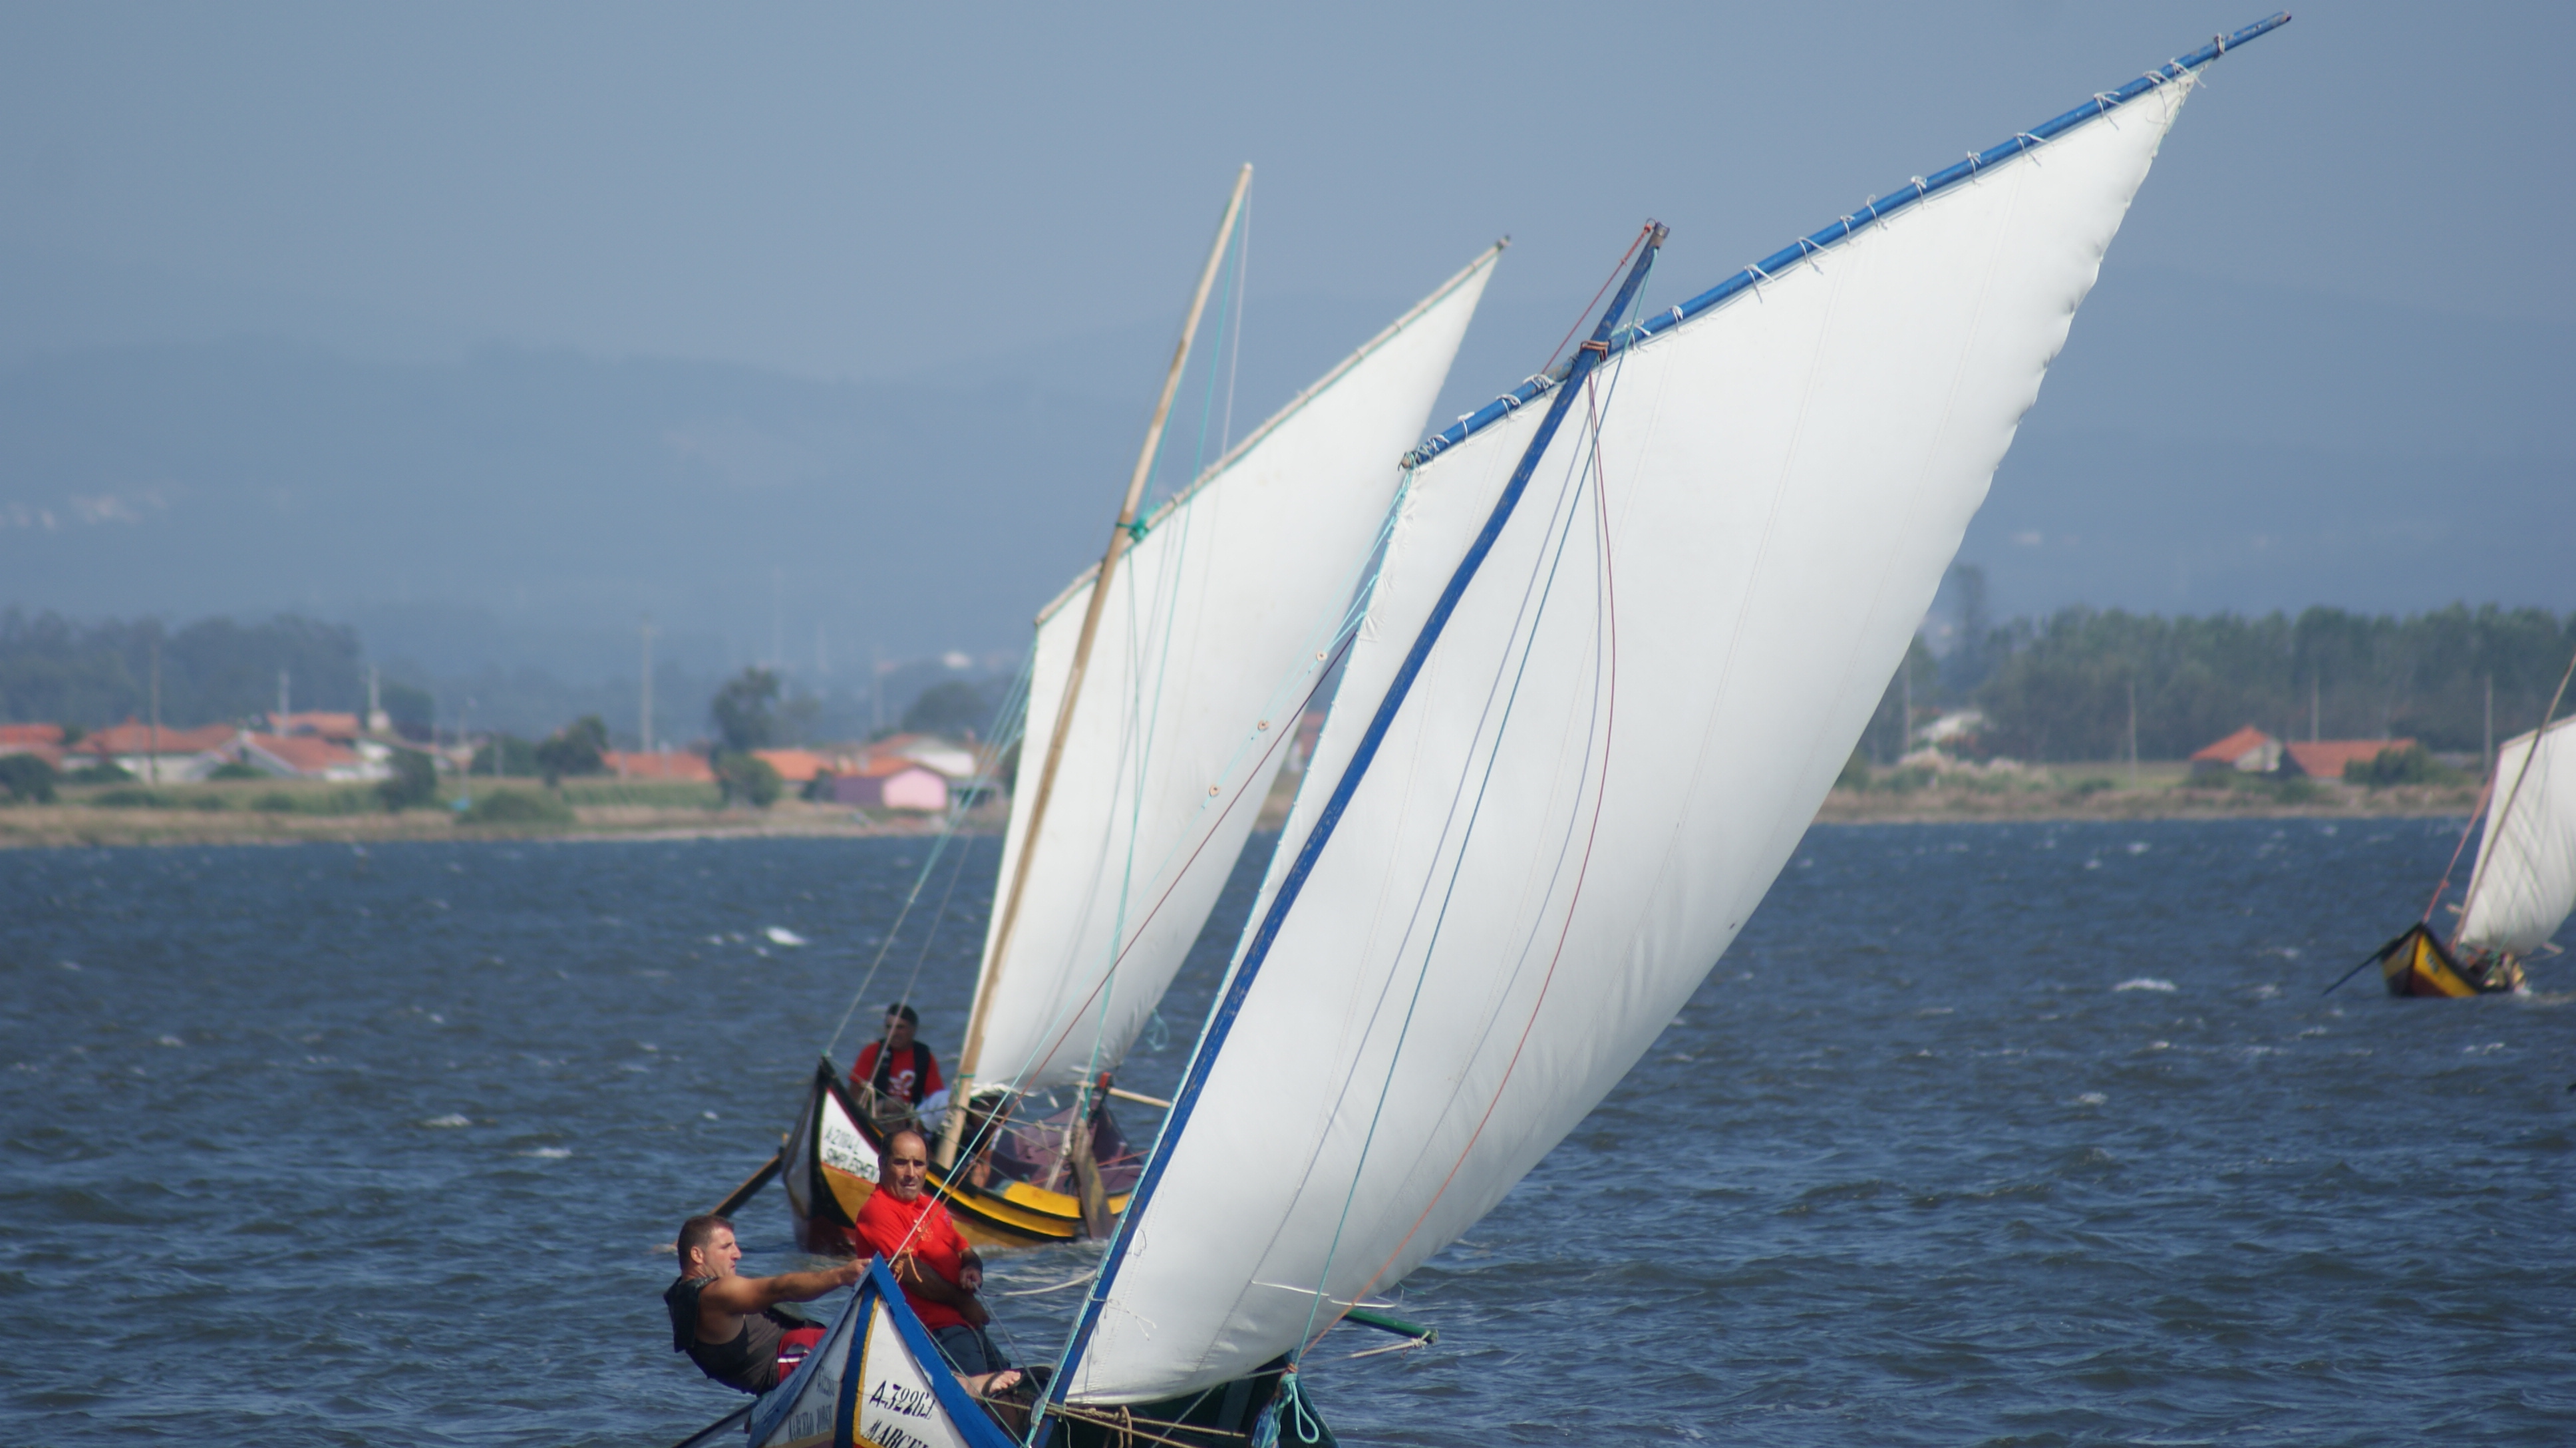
<point>1121,538</point>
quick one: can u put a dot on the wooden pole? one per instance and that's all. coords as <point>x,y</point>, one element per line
<point>1120,540</point>
<point>152,761</point>
<point>644,705</point>
<point>2133,734</point>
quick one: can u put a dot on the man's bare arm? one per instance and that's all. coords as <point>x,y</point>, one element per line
<point>744,1295</point>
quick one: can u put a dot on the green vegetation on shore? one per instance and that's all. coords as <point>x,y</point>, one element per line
<point>2058,689</point>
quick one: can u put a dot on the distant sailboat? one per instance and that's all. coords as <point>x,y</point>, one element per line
<point>1145,762</point>
<point>1529,830</point>
<point>2523,885</point>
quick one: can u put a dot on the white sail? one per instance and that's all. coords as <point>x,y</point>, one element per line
<point>1632,717</point>
<point>2525,880</point>
<point>1205,653</point>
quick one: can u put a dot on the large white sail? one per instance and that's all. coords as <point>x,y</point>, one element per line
<point>2524,884</point>
<point>1634,712</point>
<point>1205,652</point>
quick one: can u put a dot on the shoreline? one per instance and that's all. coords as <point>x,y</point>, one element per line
<point>1966,799</point>
<point>1952,804</point>
<point>81,826</point>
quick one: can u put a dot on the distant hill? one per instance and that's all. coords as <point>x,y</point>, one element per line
<point>554,491</point>
<point>2198,448</point>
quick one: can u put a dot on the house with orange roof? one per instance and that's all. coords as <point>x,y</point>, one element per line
<point>2327,758</point>
<point>45,741</point>
<point>158,752</point>
<point>321,723</point>
<point>308,756</point>
<point>798,766</point>
<point>956,761</point>
<point>661,764</point>
<point>2247,751</point>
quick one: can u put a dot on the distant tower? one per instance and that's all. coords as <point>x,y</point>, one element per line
<point>282,700</point>
<point>777,617</point>
<point>644,714</point>
<point>378,721</point>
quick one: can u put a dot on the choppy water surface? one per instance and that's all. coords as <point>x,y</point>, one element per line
<point>2009,1134</point>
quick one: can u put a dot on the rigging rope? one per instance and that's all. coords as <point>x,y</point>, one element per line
<point>1609,625</point>
<point>1014,700</point>
<point>976,1142</point>
<point>1582,473</point>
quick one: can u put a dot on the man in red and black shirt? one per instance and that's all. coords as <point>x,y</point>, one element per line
<point>937,1267</point>
<point>899,1068</point>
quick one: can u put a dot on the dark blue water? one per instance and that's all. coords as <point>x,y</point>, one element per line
<point>2015,1134</point>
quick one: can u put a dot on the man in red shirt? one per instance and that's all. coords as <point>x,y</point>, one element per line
<point>936,1265</point>
<point>900,1069</point>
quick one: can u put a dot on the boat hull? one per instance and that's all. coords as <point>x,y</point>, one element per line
<point>830,1170</point>
<point>2416,964</point>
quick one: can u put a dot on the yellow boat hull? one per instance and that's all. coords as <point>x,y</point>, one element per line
<point>830,1170</point>
<point>2417,964</point>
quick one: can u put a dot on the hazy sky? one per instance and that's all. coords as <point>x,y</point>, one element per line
<point>2332,345</point>
<point>856,191</point>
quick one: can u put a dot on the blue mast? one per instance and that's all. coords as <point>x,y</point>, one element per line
<point>1221,1024</point>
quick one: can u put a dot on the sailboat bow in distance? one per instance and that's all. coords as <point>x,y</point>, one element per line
<point>2522,887</point>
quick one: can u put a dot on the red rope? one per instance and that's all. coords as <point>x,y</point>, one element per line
<point>1586,314</point>
<point>1074,1017</point>
<point>2455,853</point>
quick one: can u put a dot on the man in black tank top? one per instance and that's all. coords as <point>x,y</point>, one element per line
<point>729,1324</point>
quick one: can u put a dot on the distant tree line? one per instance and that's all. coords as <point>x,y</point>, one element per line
<point>55,670</point>
<point>2058,688</point>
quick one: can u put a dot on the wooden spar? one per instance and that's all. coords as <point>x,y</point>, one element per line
<point>2496,820</point>
<point>752,1184</point>
<point>1120,540</point>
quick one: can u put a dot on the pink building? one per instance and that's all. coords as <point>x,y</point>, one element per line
<point>892,783</point>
